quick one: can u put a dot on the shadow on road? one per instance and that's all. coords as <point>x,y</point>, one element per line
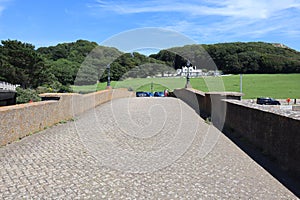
<point>292,183</point>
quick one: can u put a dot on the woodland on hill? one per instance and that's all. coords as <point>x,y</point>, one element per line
<point>55,68</point>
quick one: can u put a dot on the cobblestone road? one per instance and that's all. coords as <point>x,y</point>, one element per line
<point>136,148</point>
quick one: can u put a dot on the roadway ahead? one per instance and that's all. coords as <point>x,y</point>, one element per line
<point>134,148</point>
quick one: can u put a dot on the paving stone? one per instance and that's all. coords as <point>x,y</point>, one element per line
<point>135,148</point>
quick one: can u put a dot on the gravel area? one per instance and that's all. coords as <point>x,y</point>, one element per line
<point>134,148</point>
<point>284,109</point>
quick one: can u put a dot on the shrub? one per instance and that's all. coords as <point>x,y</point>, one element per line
<point>55,87</point>
<point>26,95</point>
<point>65,89</point>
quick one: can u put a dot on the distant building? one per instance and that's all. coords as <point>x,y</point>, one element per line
<point>194,72</point>
<point>8,86</point>
<point>280,45</point>
<point>8,94</point>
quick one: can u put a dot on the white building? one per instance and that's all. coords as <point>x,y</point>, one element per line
<point>8,86</point>
<point>193,71</point>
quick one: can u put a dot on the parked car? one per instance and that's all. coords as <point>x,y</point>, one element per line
<point>150,94</point>
<point>267,101</point>
<point>144,94</point>
<point>159,94</point>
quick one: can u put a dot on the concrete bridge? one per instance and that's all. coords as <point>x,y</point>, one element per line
<point>132,148</point>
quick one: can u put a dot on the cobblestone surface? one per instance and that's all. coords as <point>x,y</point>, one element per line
<point>102,155</point>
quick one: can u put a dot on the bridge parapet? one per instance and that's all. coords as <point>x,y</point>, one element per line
<point>274,134</point>
<point>21,120</point>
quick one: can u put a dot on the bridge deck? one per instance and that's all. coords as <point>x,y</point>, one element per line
<point>142,148</point>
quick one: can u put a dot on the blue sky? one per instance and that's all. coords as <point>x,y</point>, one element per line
<point>45,22</point>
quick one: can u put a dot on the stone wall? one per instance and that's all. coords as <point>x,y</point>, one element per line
<point>20,120</point>
<point>274,133</point>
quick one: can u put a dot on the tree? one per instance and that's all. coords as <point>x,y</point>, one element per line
<point>237,57</point>
<point>64,70</point>
<point>20,63</point>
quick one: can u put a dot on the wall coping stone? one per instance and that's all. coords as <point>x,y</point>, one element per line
<point>238,94</point>
<point>193,90</point>
<point>267,108</point>
<point>26,105</point>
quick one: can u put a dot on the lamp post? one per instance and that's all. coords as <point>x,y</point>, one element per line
<point>108,77</point>
<point>241,83</point>
<point>151,87</point>
<point>188,85</point>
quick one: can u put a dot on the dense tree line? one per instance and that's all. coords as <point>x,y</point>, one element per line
<point>21,64</point>
<point>134,65</point>
<point>252,57</point>
<point>81,63</point>
<point>51,67</point>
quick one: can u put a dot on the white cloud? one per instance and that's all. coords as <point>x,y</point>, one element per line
<point>3,4</point>
<point>215,20</point>
<point>231,29</point>
<point>232,8</point>
<point>252,8</point>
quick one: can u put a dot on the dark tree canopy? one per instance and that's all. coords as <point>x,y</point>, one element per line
<point>21,64</point>
<point>238,57</point>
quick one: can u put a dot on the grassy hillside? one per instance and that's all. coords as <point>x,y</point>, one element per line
<point>136,84</point>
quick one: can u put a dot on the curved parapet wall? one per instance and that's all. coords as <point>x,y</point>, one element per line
<point>21,120</point>
<point>274,134</point>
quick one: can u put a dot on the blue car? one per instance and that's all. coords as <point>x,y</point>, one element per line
<point>144,94</point>
<point>159,94</point>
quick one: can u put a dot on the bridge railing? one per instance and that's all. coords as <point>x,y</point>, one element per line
<point>8,86</point>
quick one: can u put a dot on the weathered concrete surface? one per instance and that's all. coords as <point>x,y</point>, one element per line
<point>60,162</point>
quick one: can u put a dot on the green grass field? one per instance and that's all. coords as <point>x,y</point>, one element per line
<point>137,84</point>
<point>280,86</point>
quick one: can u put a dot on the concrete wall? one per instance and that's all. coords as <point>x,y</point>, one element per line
<point>21,120</point>
<point>208,105</point>
<point>275,135</point>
